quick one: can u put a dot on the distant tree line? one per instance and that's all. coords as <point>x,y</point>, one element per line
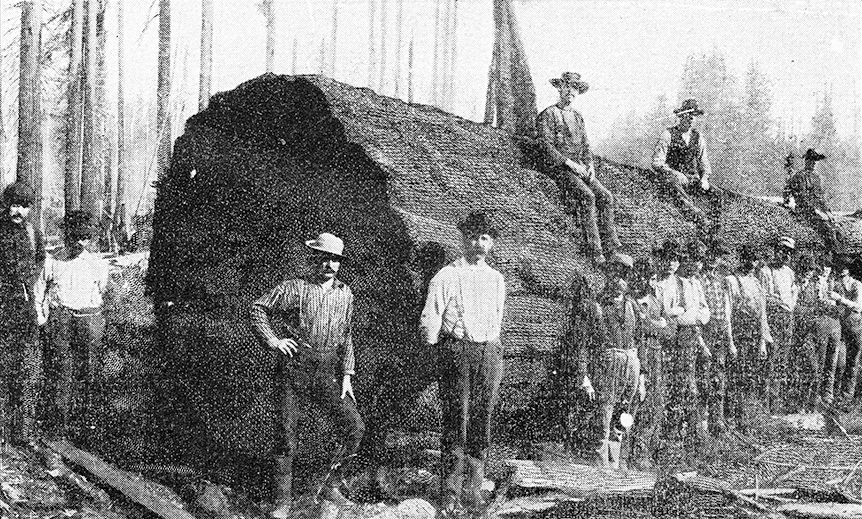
<point>748,147</point>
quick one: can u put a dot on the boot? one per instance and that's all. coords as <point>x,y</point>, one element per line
<point>474,499</point>
<point>283,476</point>
<point>602,460</point>
<point>332,494</point>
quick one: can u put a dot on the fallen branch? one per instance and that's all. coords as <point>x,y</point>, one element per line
<point>60,471</point>
<point>154,497</point>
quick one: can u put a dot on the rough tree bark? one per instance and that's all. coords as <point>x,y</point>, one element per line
<point>29,167</point>
<point>90,156</point>
<point>120,214</point>
<point>163,93</point>
<point>75,111</point>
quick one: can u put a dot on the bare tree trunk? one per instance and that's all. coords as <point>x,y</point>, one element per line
<point>399,21</point>
<point>435,76</point>
<point>163,94</point>
<point>103,135</point>
<point>269,14</point>
<point>322,69</point>
<point>334,39</point>
<point>410,71</point>
<point>90,187</point>
<point>293,59</point>
<point>29,103</point>
<point>75,111</point>
<point>120,214</point>
<point>2,119</point>
<point>372,55</point>
<point>453,53</point>
<point>382,85</point>
<point>445,49</point>
<point>206,53</point>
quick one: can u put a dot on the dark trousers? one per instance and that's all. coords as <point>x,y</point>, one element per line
<point>591,197</point>
<point>851,330</point>
<point>682,416</point>
<point>746,386</point>
<point>810,354</point>
<point>314,377</point>
<point>712,377</point>
<point>650,417</point>
<point>20,372</point>
<point>469,382</point>
<point>76,341</point>
<point>829,335</point>
<point>777,367</point>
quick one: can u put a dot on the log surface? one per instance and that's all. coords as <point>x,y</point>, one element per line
<point>580,480</point>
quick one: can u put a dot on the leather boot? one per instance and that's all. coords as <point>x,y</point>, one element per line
<point>283,480</point>
<point>474,500</point>
<point>602,460</point>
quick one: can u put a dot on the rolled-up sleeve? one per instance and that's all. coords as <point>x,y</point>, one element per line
<point>703,159</point>
<point>261,308</point>
<point>431,320</point>
<point>349,355</point>
<point>659,155</point>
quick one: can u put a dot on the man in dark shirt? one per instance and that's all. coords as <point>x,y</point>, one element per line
<point>805,189</point>
<point>681,160</point>
<point>317,351</point>
<point>568,161</point>
<point>22,256</point>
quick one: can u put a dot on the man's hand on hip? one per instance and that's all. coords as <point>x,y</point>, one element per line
<point>286,346</point>
<point>347,387</point>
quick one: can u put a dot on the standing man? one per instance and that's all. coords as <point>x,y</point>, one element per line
<point>72,286</point>
<point>847,294</point>
<point>681,160</point>
<point>461,320</point>
<point>779,283</point>
<point>718,336</point>
<point>316,361</point>
<point>22,256</point>
<point>685,305</point>
<point>804,193</point>
<point>569,162</point>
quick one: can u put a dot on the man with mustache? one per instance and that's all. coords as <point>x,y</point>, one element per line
<point>569,162</point>
<point>72,286</point>
<point>316,362</point>
<point>461,322</point>
<point>22,255</point>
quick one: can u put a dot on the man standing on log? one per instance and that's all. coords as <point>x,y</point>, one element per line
<point>462,318</point>
<point>70,291</point>
<point>569,162</point>
<point>22,255</point>
<point>681,160</point>
<point>779,283</point>
<point>316,362</point>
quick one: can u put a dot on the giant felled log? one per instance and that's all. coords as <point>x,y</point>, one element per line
<point>280,159</point>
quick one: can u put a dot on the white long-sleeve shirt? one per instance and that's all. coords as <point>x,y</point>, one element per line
<point>464,302</point>
<point>76,283</point>
<point>690,299</point>
<point>780,286</point>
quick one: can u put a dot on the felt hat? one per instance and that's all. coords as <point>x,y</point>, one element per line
<point>571,79</point>
<point>78,225</point>
<point>328,243</point>
<point>480,223</point>
<point>668,250</point>
<point>689,106</point>
<point>810,154</point>
<point>18,193</point>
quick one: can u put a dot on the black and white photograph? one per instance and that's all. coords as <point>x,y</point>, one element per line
<point>430,259</point>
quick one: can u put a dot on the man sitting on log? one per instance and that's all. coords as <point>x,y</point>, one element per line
<point>569,162</point>
<point>316,362</point>
<point>804,193</point>
<point>70,295</point>
<point>681,160</point>
<point>462,318</point>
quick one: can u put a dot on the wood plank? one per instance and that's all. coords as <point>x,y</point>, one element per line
<point>822,510</point>
<point>580,480</point>
<point>156,498</point>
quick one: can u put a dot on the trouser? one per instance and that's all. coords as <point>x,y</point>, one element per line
<point>851,330</point>
<point>20,374</point>
<point>650,419</point>
<point>776,369</point>
<point>317,378</point>
<point>469,382</point>
<point>810,354</point>
<point>592,196</point>
<point>712,377</point>
<point>829,337</point>
<point>617,384</point>
<point>746,386</point>
<point>682,410</point>
<point>76,339</point>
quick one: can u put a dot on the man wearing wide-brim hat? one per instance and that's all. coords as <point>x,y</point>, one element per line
<point>681,159</point>
<point>804,194</point>
<point>316,362</point>
<point>568,161</point>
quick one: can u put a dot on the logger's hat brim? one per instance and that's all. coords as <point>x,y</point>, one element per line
<point>572,80</point>
<point>689,106</point>
<point>327,243</point>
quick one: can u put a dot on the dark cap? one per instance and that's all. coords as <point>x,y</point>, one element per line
<point>813,155</point>
<point>18,193</point>
<point>478,222</point>
<point>668,250</point>
<point>78,225</point>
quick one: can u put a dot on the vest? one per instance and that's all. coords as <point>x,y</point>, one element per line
<point>681,156</point>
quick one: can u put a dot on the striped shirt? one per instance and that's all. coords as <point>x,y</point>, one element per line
<point>319,317</point>
<point>464,302</point>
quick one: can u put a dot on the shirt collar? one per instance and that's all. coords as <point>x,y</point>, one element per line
<point>462,263</point>
<point>336,283</point>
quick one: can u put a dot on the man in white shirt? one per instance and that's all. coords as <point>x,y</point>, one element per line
<point>681,160</point>
<point>70,291</point>
<point>847,294</point>
<point>779,283</point>
<point>461,320</point>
